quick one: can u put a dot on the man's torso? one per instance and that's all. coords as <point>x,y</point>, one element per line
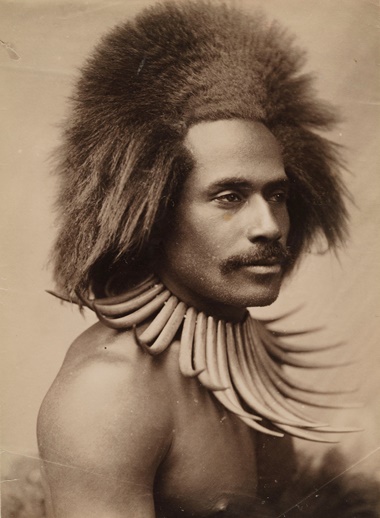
<point>215,465</point>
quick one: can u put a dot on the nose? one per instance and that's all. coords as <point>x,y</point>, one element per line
<point>263,221</point>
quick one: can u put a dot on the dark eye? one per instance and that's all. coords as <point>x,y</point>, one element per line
<point>229,197</point>
<point>278,196</point>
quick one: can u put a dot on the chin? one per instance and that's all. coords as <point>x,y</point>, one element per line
<point>251,298</point>
<point>263,300</point>
<point>262,296</point>
<point>259,291</point>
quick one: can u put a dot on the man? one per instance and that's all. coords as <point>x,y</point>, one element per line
<point>191,183</point>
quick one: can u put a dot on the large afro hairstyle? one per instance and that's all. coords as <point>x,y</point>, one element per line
<point>122,163</point>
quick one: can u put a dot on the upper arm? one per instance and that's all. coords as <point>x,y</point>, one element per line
<point>103,430</point>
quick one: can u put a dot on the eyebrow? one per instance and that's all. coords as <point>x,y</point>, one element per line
<point>238,181</point>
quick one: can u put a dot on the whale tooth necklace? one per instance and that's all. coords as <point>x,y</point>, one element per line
<point>240,363</point>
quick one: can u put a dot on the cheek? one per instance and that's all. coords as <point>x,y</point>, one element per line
<point>284,222</point>
<point>198,241</point>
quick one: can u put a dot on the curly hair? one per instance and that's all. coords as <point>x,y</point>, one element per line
<point>122,162</point>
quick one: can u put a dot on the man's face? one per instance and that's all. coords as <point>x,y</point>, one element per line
<point>226,246</point>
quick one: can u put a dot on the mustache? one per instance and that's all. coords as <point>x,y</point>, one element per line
<point>262,253</point>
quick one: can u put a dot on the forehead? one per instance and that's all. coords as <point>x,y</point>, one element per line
<point>233,148</point>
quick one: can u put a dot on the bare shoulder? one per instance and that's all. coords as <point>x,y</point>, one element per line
<point>108,405</point>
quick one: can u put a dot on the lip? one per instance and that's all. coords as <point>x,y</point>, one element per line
<point>264,269</point>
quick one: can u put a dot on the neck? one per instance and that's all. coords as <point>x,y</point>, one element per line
<point>237,362</point>
<point>218,310</point>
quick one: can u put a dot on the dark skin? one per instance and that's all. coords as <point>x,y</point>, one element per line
<point>123,433</point>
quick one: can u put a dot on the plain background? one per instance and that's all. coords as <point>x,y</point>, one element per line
<point>51,40</point>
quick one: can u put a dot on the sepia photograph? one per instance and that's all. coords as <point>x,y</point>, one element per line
<point>190,259</point>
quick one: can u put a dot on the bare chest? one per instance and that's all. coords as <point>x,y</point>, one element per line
<point>211,469</point>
